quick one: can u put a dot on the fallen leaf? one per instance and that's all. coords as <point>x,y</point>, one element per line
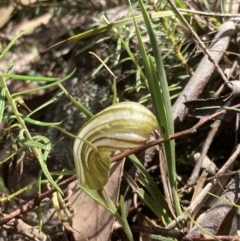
<point>5,15</point>
<point>92,221</point>
<point>205,107</point>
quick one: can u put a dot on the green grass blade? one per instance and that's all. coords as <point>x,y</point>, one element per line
<point>25,92</point>
<point>35,144</point>
<point>3,188</point>
<point>2,102</point>
<point>76,103</point>
<point>30,78</point>
<point>13,42</point>
<point>161,102</point>
<point>159,203</point>
<point>158,237</point>
<point>40,123</point>
<point>124,218</point>
<point>54,99</point>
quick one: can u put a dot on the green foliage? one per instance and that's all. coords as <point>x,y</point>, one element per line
<point>39,145</point>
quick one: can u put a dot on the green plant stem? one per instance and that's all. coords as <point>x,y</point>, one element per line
<point>75,103</point>
<point>112,208</point>
<point>176,47</point>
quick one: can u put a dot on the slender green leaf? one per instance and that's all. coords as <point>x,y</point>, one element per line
<point>2,102</point>
<point>161,103</point>
<point>30,78</point>
<point>157,197</point>
<point>52,100</point>
<point>13,42</point>
<point>3,188</point>
<point>107,27</point>
<point>76,103</point>
<point>124,218</point>
<point>40,123</point>
<point>158,237</point>
<point>45,86</point>
<point>47,143</point>
<point>35,144</point>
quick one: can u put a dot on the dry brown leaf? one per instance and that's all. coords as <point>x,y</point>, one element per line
<point>28,24</point>
<point>22,60</point>
<point>27,2</point>
<point>214,217</point>
<point>92,221</point>
<point>197,108</point>
<point>6,12</point>
<point>5,15</point>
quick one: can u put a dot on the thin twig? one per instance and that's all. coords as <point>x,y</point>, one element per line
<point>159,230</point>
<point>212,187</point>
<point>39,197</point>
<point>210,238</point>
<point>198,40</point>
<point>210,14</point>
<point>207,65</point>
<point>209,139</point>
